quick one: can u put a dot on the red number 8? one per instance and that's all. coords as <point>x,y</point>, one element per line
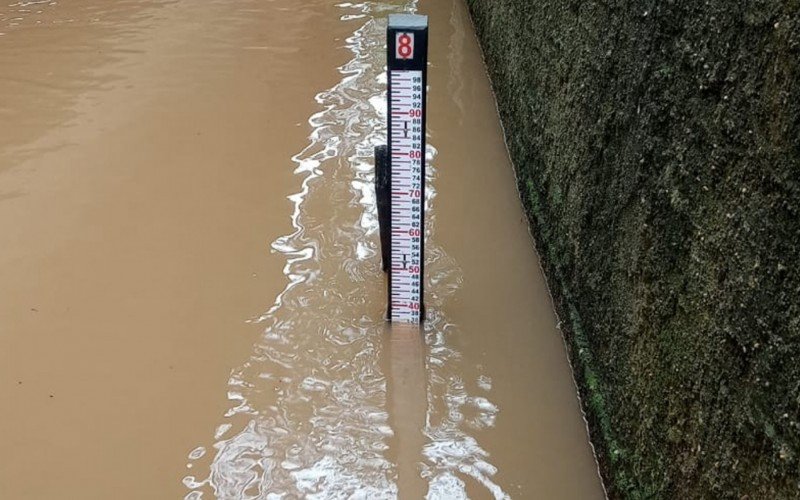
<point>405,49</point>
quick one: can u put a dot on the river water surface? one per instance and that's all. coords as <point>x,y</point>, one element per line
<point>191,301</point>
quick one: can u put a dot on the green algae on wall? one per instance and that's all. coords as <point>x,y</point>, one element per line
<point>657,146</point>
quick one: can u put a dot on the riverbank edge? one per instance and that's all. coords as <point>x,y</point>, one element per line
<point>580,356</point>
<point>686,362</point>
<point>585,375</point>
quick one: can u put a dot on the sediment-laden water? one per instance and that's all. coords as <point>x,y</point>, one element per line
<point>178,200</point>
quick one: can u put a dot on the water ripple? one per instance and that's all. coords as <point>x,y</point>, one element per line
<point>309,412</point>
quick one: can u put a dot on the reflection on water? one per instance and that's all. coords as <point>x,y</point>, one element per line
<point>408,405</point>
<point>311,416</point>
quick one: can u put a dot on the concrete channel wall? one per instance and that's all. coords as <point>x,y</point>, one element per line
<point>657,147</point>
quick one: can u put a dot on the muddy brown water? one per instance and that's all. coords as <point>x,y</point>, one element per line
<point>191,302</point>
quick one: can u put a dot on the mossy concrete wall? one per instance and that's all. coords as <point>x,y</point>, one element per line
<point>657,145</point>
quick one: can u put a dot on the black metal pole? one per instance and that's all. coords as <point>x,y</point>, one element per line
<point>383,194</point>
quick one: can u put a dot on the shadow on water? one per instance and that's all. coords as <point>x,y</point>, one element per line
<point>330,404</point>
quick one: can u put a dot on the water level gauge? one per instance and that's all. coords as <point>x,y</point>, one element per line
<point>407,66</point>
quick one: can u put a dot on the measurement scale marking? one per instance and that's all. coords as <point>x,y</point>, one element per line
<point>406,192</point>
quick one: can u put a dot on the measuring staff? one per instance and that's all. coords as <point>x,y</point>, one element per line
<point>400,175</point>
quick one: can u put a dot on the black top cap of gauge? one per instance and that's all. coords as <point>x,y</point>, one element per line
<point>407,42</point>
